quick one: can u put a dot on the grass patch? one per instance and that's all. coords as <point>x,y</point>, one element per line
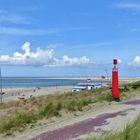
<point>107,97</point>
<point>50,110</point>
<point>130,132</point>
<point>135,85</point>
<point>71,105</point>
<point>17,122</point>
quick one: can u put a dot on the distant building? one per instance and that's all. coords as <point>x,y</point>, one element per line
<point>78,88</point>
<point>85,86</point>
<point>90,86</point>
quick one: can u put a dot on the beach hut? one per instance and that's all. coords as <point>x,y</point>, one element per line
<point>78,88</point>
<point>89,86</point>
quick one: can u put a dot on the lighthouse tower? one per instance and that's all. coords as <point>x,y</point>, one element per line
<point>115,83</point>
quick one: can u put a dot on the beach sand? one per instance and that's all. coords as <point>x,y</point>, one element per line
<point>14,94</point>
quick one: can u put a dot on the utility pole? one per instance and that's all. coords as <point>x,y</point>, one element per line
<point>107,73</point>
<point>1,86</point>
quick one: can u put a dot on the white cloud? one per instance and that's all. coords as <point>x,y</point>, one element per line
<point>22,31</point>
<point>9,17</point>
<point>68,61</point>
<point>36,32</point>
<point>124,5</point>
<point>76,28</point>
<point>26,48</point>
<point>136,61</point>
<point>4,58</point>
<point>41,58</point>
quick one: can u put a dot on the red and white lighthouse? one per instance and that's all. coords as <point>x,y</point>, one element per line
<point>115,83</point>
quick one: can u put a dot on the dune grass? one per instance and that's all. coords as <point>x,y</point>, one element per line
<point>17,123</point>
<point>130,132</point>
<point>22,114</point>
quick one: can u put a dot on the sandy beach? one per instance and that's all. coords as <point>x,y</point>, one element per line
<point>14,94</point>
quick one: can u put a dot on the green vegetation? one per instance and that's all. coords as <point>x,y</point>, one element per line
<point>129,90</point>
<point>17,122</point>
<point>50,110</point>
<point>26,113</point>
<point>131,132</point>
<point>22,114</point>
<point>135,85</point>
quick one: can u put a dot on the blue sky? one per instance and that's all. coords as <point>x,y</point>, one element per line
<point>69,37</point>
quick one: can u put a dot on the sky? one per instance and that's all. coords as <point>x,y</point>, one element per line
<point>69,37</point>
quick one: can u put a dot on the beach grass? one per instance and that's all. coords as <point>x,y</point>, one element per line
<point>22,114</point>
<point>130,132</point>
<point>17,122</point>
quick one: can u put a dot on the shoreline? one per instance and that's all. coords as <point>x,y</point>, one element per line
<point>19,93</point>
<point>73,78</point>
<point>4,86</point>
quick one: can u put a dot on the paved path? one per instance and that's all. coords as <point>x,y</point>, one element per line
<point>103,123</point>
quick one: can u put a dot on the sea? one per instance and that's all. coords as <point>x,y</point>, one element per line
<point>19,82</point>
